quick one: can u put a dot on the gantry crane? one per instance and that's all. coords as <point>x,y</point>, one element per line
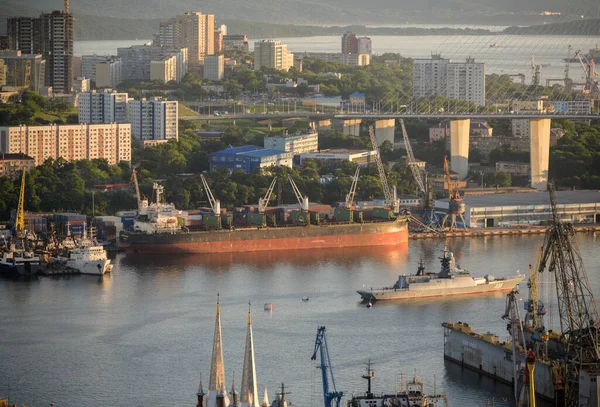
<point>579,320</point>
<point>215,204</point>
<point>321,346</point>
<point>20,217</point>
<point>391,198</point>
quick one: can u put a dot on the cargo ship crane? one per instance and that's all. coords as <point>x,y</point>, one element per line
<point>412,162</point>
<point>578,314</point>
<point>302,200</point>
<point>20,219</point>
<point>350,196</point>
<point>321,346</point>
<point>264,202</point>
<point>390,197</point>
<point>142,203</point>
<point>215,204</point>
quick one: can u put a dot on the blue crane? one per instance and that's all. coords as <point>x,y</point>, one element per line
<point>321,346</point>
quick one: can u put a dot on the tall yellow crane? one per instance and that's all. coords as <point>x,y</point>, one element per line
<point>137,188</point>
<point>20,221</point>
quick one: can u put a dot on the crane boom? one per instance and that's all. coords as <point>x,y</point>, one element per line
<point>352,193</point>
<point>302,200</point>
<point>579,320</point>
<point>215,205</point>
<point>20,221</point>
<point>321,347</point>
<point>387,192</point>
<point>448,178</point>
<point>412,162</point>
<point>264,202</point>
<point>137,188</point>
<point>515,329</point>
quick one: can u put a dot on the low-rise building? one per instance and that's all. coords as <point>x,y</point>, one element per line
<point>485,145</point>
<point>478,128</point>
<point>346,59</point>
<point>235,43</point>
<point>513,167</point>
<point>572,106</point>
<point>25,71</point>
<point>249,158</point>
<point>104,70</point>
<point>555,135</point>
<point>12,164</point>
<point>71,142</point>
<point>335,157</point>
<point>296,143</point>
<point>81,84</point>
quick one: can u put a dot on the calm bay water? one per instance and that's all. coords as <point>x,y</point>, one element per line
<point>510,54</point>
<point>143,335</point>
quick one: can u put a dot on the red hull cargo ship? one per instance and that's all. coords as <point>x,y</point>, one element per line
<point>324,235</point>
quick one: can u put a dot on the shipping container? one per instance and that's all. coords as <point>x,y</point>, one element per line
<point>227,221</point>
<point>259,219</point>
<point>315,218</point>
<point>343,214</point>
<point>383,213</point>
<point>299,216</point>
<point>213,221</point>
<point>357,216</point>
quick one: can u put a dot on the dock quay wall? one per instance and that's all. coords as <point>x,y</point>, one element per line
<point>475,232</point>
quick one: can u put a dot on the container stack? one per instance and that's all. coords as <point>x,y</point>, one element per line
<point>108,228</point>
<point>127,218</point>
<point>75,221</point>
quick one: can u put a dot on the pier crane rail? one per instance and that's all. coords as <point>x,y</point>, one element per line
<point>329,397</point>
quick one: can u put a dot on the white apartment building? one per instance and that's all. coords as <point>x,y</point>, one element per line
<point>295,143</point>
<point>520,128</point>
<point>153,119</point>
<point>272,54</point>
<point>455,80</point>
<point>346,59</point>
<point>107,106</point>
<point>214,67</point>
<point>365,45</point>
<point>71,142</point>
<point>103,70</point>
<point>164,70</point>
<point>136,60</point>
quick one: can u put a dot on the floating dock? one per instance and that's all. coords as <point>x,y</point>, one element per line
<point>485,354</point>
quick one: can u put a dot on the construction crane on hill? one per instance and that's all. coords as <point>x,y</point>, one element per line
<point>329,397</point>
<point>390,195</point>
<point>579,320</point>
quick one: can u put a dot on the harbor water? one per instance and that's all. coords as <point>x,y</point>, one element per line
<point>142,335</point>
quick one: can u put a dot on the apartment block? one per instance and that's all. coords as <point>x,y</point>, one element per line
<point>107,106</point>
<point>235,43</point>
<point>454,80</point>
<point>136,60</point>
<point>167,33</point>
<point>56,37</point>
<point>24,34</point>
<point>153,119</point>
<point>272,54</point>
<point>71,142</point>
<point>195,31</point>
<point>164,70</point>
<point>26,71</point>
<point>346,59</point>
<point>105,71</point>
<point>349,43</point>
<point>365,45</point>
<point>214,67</point>
<point>14,164</point>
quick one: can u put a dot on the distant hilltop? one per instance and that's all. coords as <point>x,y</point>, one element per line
<point>578,27</point>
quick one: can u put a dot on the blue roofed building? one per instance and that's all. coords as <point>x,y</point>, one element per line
<point>249,158</point>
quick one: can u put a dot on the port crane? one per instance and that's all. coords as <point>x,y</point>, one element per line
<point>536,72</point>
<point>329,397</point>
<point>578,313</point>
<point>215,204</point>
<point>20,218</point>
<point>391,198</point>
<point>264,202</point>
<point>589,69</point>
<point>142,202</point>
<point>456,207</point>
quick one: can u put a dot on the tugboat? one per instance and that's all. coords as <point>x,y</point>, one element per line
<point>451,280</point>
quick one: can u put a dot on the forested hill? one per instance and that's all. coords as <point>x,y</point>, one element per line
<point>334,11</point>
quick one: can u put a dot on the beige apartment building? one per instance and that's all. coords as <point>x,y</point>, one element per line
<point>272,54</point>
<point>196,32</point>
<point>71,142</point>
<point>164,70</point>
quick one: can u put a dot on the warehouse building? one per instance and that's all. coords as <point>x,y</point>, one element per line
<point>249,158</point>
<point>335,157</point>
<point>502,210</point>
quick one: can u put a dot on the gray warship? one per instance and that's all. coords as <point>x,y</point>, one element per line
<point>451,280</point>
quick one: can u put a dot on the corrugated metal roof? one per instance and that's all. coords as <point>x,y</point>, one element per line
<point>536,198</point>
<point>265,152</point>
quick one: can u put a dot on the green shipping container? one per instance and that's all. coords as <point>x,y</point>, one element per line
<point>271,219</point>
<point>299,216</point>
<point>255,218</point>
<point>383,213</point>
<point>227,221</point>
<point>358,216</point>
<point>314,218</point>
<point>343,214</point>
<point>213,221</point>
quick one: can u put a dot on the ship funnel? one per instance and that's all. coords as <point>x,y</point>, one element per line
<point>217,208</point>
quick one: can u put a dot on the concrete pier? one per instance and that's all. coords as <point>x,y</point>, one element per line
<point>350,127</point>
<point>540,152</point>
<point>384,130</point>
<point>459,146</point>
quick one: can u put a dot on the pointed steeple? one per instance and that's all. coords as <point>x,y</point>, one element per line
<point>216,384</point>
<point>249,392</point>
<point>265,399</point>
<point>200,394</point>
